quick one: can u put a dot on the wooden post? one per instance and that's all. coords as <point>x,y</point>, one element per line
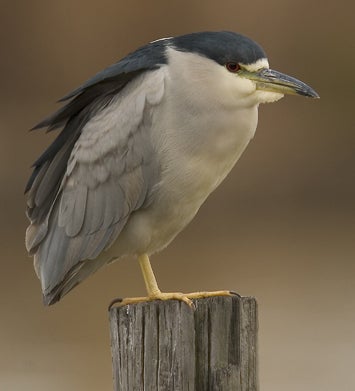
<point>167,346</point>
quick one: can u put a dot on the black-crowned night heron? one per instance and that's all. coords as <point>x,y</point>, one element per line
<point>144,142</point>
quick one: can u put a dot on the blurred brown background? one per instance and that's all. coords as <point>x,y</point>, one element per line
<point>281,227</point>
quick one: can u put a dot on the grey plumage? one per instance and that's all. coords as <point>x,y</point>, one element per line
<point>79,204</point>
<point>144,142</point>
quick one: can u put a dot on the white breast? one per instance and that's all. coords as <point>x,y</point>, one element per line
<point>198,133</point>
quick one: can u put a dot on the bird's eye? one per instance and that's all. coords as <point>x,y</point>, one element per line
<point>232,67</point>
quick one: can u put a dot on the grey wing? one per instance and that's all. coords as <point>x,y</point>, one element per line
<point>109,174</point>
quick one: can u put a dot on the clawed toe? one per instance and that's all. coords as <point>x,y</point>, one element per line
<point>185,297</point>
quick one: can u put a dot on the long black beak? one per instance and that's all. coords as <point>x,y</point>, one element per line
<point>273,81</point>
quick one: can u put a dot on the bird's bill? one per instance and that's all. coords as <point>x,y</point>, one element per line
<point>269,80</point>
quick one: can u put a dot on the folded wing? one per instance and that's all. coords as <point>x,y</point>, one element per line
<point>84,187</point>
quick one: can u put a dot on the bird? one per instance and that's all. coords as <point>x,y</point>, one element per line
<point>142,145</point>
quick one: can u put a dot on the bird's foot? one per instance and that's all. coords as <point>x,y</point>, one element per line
<point>185,297</point>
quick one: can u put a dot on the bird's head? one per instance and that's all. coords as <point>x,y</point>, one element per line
<point>241,66</point>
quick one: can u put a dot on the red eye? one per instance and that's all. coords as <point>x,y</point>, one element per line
<point>233,67</point>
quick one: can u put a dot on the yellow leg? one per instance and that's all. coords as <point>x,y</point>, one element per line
<point>154,293</point>
<point>148,275</point>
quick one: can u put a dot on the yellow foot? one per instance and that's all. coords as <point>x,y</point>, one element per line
<point>185,297</point>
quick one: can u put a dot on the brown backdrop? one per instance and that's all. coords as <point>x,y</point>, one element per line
<point>281,227</point>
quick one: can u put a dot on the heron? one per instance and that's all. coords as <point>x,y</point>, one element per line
<point>142,145</point>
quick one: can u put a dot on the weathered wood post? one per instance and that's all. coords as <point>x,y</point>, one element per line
<point>167,346</point>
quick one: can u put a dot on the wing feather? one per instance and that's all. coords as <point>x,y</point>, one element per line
<point>109,174</point>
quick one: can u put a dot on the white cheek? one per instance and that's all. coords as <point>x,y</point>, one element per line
<point>238,91</point>
<point>267,96</point>
<point>245,86</point>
